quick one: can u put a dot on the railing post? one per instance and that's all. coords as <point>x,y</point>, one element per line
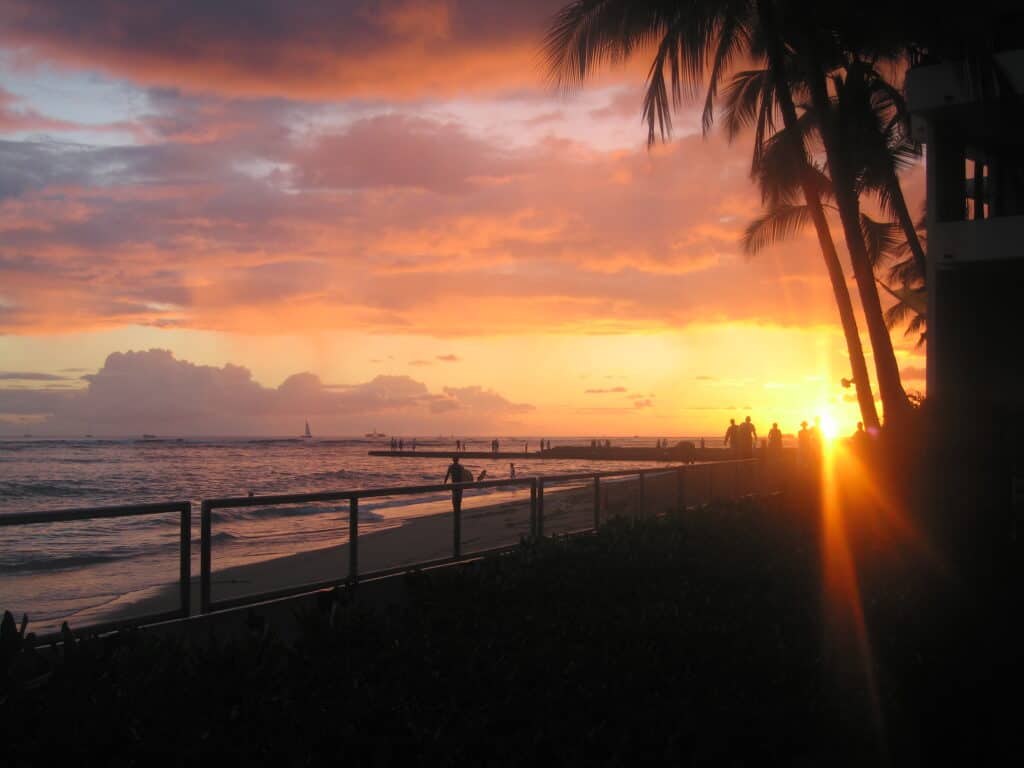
<point>353,539</point>
<point>457,529</point>
<point>205,519</point>
<point>185,555</point>
<point>540,507</point>
<point>641,495</point>
<point>681,489</point>
<point>597,501</point>
<point>533,508</point>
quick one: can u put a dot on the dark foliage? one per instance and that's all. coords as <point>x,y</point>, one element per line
<point>684,639</point>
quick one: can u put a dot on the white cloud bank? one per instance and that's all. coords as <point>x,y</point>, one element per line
<point>152,391</point>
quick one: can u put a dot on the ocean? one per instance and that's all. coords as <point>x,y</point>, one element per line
<point>89,570</point>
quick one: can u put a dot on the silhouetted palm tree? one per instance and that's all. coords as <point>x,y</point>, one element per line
<point>691,39</point>
<point>819,52</point>
<point>883,148</point>
<point>879,124</point>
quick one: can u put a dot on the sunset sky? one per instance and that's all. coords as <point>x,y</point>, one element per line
<point>227,217</point>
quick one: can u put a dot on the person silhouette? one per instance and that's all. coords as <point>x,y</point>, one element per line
<point>745,435</point>
<point>775,439</point>
<point>860,440</point>
<point>730,437</point>
<point>458,474</point>
<point>803,443</point>
<point>512,470</point>
<point>817,443</point>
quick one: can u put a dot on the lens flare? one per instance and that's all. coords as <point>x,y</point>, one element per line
<point>829,427</point>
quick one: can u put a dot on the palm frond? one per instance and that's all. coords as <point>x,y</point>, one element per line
<point>896,315</point>
<point>881,238</point>
<point>743,99</point>
<point>777,224</point>
<point>905,272</point>
<point>733,35</point>
<point>776,165</point>
<point>587,34</point>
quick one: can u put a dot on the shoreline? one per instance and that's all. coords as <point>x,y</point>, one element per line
<point>416,540</point>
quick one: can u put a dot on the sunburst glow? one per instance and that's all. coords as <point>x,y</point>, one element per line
<point>829,426</point>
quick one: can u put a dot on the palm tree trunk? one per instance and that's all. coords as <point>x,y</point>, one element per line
<point>894,399</point>
<point>859,369</point>
<point>899,204</point>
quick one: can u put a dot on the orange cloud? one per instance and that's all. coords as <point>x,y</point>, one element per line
<point>455,234</point>
<point>300,50</point>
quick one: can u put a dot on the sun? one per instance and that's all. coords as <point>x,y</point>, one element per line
<point>829,428</point>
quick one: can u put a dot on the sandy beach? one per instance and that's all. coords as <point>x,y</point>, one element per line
<point>422,539</point>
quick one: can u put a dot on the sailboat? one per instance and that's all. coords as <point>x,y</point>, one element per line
<point>375,433</point>
<point>307,433</point>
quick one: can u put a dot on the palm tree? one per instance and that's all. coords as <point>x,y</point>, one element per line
<point>784,218</point>
<point>876,118</point>
<point>814,48</point>
<point>833,116</point>
<point>886,241</point>
<point>880,125</point>
<point>690,38</point>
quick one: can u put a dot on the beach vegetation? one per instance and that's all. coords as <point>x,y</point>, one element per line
<point>695,637</point>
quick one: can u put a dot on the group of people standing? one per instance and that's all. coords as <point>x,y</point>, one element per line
<point>741,438</point>
<point>460,446</point>
<point>398,444</point>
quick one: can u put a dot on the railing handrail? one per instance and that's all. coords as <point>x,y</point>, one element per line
<point>228,502</point>
<point>90,513</point>
<point>183,508</point>
<point>151,508</point>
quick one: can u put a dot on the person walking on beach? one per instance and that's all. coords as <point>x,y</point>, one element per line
<point>816,441</point>
<point>747,434</point>
<point>458,474</point>
<point>730,438</point>
<point>512,471</point>
<point>803,443</point>
<point>414,445</point>
<point>860,441</point>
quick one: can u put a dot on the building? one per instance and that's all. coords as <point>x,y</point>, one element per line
<point>971,120</point>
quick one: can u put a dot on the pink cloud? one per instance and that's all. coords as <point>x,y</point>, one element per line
<point>398,151</point>
<point>153,391</point>
<point>550,236</point>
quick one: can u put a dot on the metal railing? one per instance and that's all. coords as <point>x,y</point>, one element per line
<point>536,484</point>
<point>184,508</point>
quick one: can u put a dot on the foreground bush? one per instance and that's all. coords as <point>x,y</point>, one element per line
<point>690,638</point>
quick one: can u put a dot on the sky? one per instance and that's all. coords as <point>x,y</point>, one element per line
<point>228,217</point>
